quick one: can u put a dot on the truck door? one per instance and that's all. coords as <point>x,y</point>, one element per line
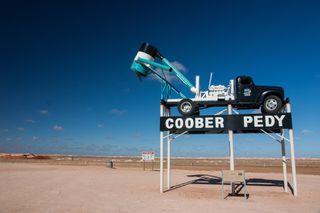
<point>245,90</point>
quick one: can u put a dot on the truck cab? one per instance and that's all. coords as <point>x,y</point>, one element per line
<point>251,96</point>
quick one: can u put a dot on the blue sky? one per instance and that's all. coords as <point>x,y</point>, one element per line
<point>66,86</point>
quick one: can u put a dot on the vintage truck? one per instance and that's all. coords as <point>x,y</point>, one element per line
<point>241,93</point>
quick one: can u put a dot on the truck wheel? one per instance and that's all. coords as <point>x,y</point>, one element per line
<point>187,107</point>
<point>271,104</point>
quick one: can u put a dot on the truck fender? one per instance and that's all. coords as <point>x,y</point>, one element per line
<point>267,93</point>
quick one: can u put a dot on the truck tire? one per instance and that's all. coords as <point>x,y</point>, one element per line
<point>187,107</point>
<point>271,104</point>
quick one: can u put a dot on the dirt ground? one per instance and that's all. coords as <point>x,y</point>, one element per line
<point>33,187</point>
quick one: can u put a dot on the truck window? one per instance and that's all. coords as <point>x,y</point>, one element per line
<point>245,80</point>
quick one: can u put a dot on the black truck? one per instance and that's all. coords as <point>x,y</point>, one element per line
<point>245,95</point>
<point>251,96</point>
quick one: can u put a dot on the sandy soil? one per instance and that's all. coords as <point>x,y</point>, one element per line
<point>30,187</point>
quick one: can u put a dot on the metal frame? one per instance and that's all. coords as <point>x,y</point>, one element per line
<point>165,111</point>
<point>232,183</point>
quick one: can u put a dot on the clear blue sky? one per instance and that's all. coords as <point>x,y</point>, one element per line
<point>66,86</point>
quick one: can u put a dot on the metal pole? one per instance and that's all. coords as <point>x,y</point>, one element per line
<point>231,141</point>
<point>168,156</point>
<point>284,161</point>
<point>231,150</point>
<point>161,151</point>
<point>169,163</point>
<point>293,159</point>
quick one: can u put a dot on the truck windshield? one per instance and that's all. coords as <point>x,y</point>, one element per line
<point>246,80</point>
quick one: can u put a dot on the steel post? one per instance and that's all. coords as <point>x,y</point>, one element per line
<point>293,159</point>
<point>284,161</point>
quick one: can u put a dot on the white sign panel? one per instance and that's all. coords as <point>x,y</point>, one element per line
<point>148,156</point>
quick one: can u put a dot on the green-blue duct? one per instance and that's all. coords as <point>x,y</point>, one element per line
<point>178,74</point>
<point>143,67</point>
<point>142,71</point>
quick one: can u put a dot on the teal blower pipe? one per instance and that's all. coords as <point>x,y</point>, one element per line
<point>144,63</point>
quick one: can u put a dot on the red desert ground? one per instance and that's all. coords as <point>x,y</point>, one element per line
<point>54,183</point>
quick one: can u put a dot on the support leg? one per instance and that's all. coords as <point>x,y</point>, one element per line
<point>161,152</point>
<point>231,150</point>
<point>293,159</point>
<point>168,157</point>
<point>284,162</point>
<point>245,187</point>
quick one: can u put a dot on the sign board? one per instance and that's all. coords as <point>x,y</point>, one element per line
<point>223,123</point>
<point>148,156</point>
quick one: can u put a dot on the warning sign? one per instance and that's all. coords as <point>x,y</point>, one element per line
<point>148,156</point>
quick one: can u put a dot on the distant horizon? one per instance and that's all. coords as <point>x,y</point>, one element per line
<point>157,156</point>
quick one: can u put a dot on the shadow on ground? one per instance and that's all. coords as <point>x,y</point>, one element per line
<point>215,180</point>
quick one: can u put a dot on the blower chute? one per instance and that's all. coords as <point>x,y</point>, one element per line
<point>145,64</point>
